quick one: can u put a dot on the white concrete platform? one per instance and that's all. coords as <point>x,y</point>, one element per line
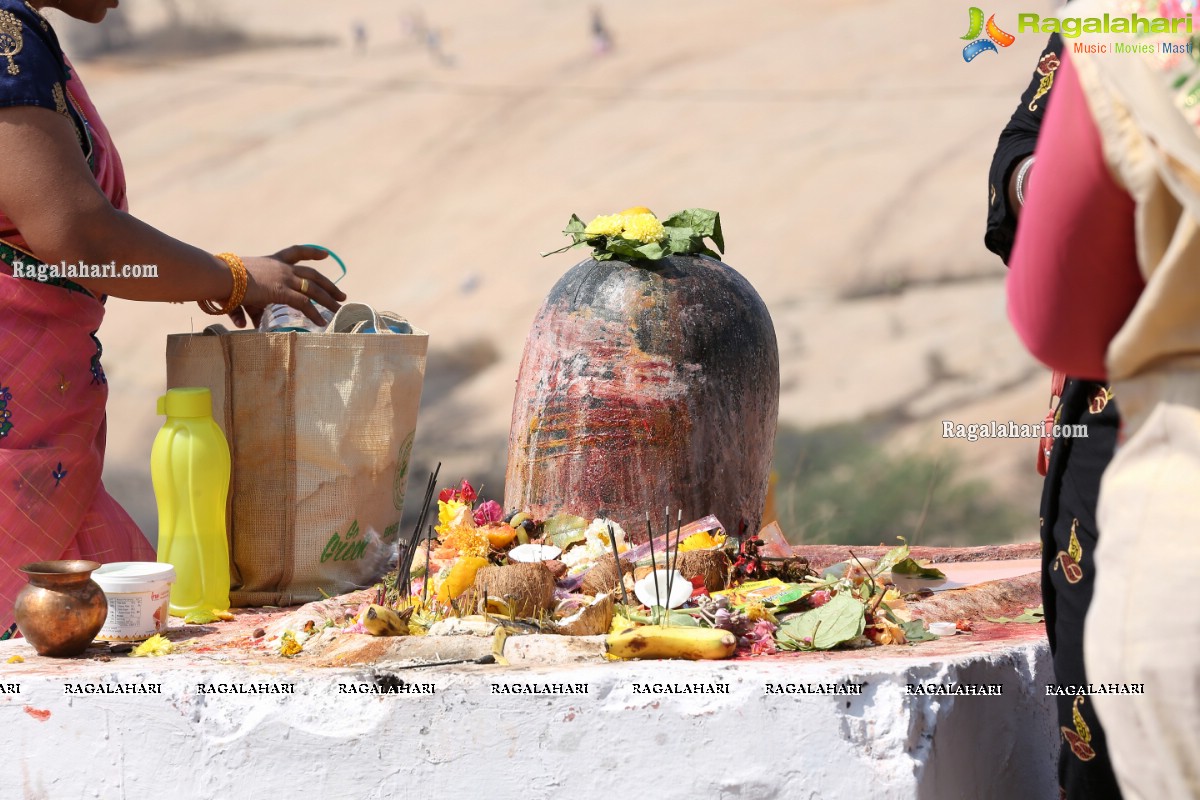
<point>464,740</point>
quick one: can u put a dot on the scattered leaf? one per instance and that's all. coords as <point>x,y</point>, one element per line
<point>915,631</point>
<point>840,620</point>
<point>562,530</point>
<point>794,592</point>
<point>1030,615</point>
<point>909,566</point>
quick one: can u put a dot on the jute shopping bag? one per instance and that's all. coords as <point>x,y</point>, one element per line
<point>320,429</point>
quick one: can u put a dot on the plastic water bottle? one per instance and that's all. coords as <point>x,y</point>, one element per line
<point>278,318</point>
<point>189,465</point>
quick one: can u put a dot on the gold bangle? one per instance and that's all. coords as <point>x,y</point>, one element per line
<point>241,282</point>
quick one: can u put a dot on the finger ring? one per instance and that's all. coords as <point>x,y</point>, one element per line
<point>304,286</point>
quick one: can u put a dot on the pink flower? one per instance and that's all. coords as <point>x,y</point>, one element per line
<point>819,598</point>
<point>763,647</point>
<point>465,493</point>
<point>763,629</point>
<point>489,511</point>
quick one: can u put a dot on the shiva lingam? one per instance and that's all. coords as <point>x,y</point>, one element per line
<point>61,609</point>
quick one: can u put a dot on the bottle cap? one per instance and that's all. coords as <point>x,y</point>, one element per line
<point>188,401</point>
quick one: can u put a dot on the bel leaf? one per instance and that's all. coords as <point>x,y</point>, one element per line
<point>794,592</point>
<point>564,529</point>
<point>717,236</point>
<point>1030,615</point>
<point>840,620</point>
<point>652,251</point>
<point>915,631</point>
<point>909,566</point>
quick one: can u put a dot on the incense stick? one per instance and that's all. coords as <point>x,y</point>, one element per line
<point>403,560</point>
<point>425,585</point>
<point>675,562</point>
<point>653,562</point>
<point>612,537</point>
<point>667,553</point>
<point>414,541</point>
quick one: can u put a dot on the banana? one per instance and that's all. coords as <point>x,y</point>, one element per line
<point>655,641</point>
<point>382,621</point>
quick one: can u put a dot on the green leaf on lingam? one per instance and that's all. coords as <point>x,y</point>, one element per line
<point>701,223</point>
<point>686,232</point>
<point>575,229</point>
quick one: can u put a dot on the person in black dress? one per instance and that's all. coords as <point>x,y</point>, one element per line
<point>1072,466</point>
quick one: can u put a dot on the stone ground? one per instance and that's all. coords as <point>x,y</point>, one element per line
<point>845,143</point>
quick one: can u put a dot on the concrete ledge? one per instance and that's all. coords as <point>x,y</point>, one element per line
<point>326,740</point>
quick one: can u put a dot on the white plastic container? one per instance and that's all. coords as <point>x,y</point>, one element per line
<point>943,628</point>
<point>139,599</point>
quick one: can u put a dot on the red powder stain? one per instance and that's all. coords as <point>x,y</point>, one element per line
<point>40,714</point>
<point>570,717</point>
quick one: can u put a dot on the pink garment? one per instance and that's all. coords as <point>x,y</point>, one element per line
<point>1074,274</point>
<point>52,420</point>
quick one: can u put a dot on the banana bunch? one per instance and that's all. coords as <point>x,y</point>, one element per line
<point>383,621</point>
<point>656,641</point>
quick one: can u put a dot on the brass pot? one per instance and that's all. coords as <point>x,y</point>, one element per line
<point>61,609</point>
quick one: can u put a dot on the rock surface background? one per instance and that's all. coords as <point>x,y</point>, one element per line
<point>845,143</point>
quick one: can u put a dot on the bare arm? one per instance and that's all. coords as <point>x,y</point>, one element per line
<point>49,193</point>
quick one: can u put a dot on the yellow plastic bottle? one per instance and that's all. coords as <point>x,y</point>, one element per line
<point>189,465</point>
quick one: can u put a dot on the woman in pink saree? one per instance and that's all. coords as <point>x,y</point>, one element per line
<point>62,199</point>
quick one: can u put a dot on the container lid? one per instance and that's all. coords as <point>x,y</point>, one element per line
<point>187,401</point>
<point>123,577</point>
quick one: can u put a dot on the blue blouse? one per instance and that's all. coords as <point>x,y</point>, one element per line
<point>33,69</point>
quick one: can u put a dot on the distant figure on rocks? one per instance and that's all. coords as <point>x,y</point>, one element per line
<point>433,43</point>
<point>602,41</point>
<point>416,29</point>
<point>360,37</point>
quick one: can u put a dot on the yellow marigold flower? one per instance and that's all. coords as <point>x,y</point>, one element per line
<point>468,541</point>
<point>636,210</point>
<point>756,611</point>
<point>453,514</point>
<point>156,645</point>
<point>644,228</point>
<point>288,646</point>
<point>16,660</point>
<point>610,225</point>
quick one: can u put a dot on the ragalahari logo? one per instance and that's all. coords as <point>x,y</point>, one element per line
<point>995,36</point>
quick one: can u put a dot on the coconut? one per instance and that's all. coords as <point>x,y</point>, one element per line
<point>529,587</point>
<point>591,620</point>
<point>603,576</point>
<point>712,565</point>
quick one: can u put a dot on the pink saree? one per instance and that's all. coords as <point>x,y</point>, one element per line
<point>52,420</point>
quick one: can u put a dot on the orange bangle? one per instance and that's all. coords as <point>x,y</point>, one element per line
<point>241,281</point>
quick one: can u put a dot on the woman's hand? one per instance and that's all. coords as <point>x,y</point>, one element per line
<point>279,279</point>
